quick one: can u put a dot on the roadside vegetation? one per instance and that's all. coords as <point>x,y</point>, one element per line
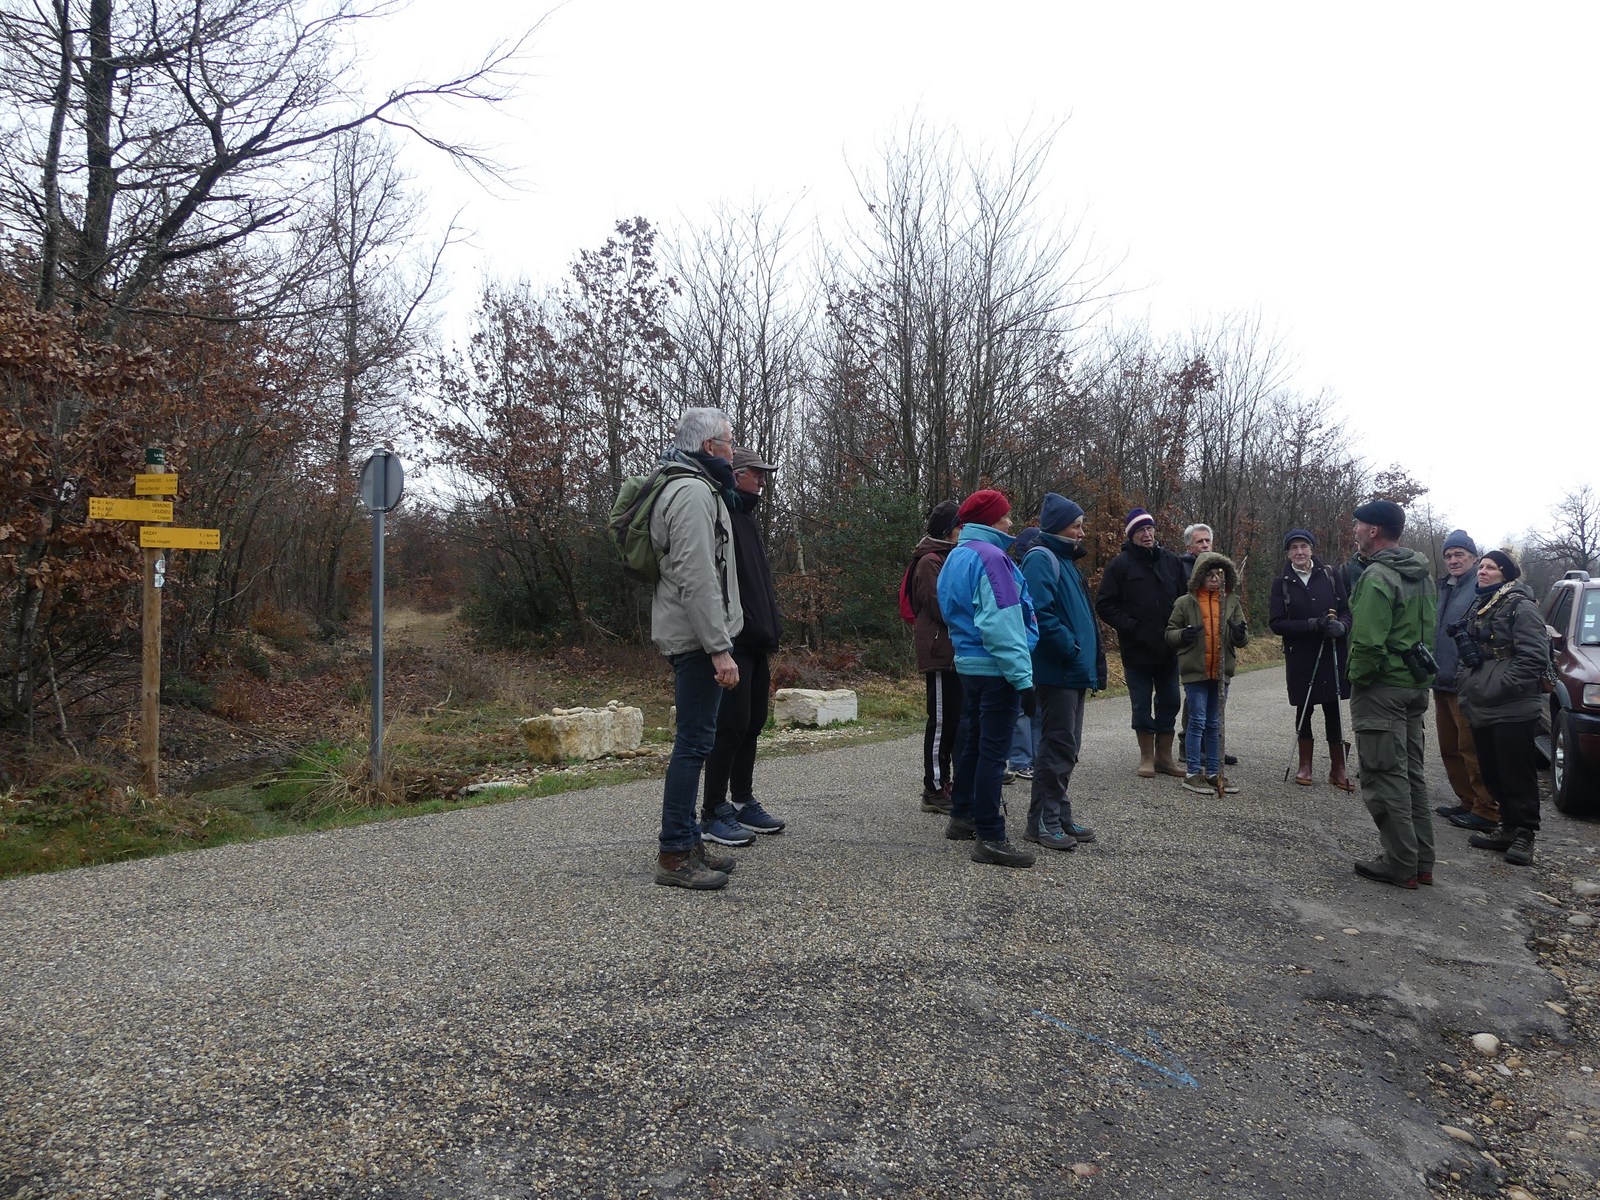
<point>273,740</point>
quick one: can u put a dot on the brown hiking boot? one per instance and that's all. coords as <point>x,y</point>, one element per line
<point>679,869</point>
<point>1164,764</point>
<point>711,859</point>
<point>1147,755</point>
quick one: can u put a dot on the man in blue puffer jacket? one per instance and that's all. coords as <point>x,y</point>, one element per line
<point>985,605</point>
<point>1068,663</point>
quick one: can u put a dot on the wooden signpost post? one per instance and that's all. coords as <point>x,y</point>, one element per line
<point>154,539</point>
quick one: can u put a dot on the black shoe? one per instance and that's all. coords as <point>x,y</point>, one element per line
<point>935,802</point>
<point>1081,833</point>
<point>1472,821</point>
<point>1499,839</point>
<point>960,829</point>
<point>1229,760</point>
<point>1520,852</point>
<point>1379,870</point>
<point>1001,854</point>
<point>1452,810</point>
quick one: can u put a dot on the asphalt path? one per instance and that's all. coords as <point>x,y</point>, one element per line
<point>500,1003</point>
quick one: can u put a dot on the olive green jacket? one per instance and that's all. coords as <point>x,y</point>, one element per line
<point>1392,609</point>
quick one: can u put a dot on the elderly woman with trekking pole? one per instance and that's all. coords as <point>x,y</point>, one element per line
<point>1311,613</point>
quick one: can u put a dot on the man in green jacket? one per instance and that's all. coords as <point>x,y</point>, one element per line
<point>1392,618</point>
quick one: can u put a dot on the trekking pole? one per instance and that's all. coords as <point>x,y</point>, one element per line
<point>1349,746</point>
<point>1305,705</point>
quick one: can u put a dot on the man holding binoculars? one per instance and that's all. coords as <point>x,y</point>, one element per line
<point>1393,612</point>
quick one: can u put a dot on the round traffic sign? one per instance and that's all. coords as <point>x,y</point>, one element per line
<point>383,479</point>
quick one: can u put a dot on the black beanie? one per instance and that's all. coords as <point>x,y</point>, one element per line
<point>940,517</point>
<point>1507,564</point>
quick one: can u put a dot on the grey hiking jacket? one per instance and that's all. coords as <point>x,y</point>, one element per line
<point>696,602</point>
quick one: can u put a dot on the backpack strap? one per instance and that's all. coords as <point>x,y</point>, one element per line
<point>1055,563</point>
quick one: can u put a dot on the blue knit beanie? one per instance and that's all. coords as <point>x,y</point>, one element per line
<point>1458,540</point>
<point>1304,535</point>
<point>1136,518</point>
<point>1057,512</point>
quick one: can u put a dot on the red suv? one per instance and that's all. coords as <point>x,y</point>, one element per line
<point>1572,613</point>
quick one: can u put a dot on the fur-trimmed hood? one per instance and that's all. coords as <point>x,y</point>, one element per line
<point>1208,562</point>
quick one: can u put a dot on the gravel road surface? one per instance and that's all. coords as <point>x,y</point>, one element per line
<point>500,1003</point>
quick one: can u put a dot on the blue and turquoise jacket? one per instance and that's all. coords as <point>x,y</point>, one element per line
<point>985,603</point>
<point>1069,654</point>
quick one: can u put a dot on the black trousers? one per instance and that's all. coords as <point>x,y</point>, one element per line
<point>731,765</point>
<point>1330,722</point>
<point>939,734</point>
<point>1509,761</point>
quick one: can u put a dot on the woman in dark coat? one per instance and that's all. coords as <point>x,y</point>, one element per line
<point>1504,652</point>
<point>1311,613</point>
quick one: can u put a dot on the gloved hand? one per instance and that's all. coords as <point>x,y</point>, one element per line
<point>1334,629</point>
<point>1190,635</point>
<point>1239,632</point>
<point>1030,702</point>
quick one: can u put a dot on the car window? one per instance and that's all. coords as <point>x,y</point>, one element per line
<point>1560,608</point>
<point>1589,620</point>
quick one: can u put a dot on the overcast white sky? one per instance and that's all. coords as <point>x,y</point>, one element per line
<point>1406,191</point>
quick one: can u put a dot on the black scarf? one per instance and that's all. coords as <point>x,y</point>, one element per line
<point>721,470</point>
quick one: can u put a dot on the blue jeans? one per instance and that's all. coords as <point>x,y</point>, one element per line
<point>1024,741</point>
<point>697,695</point>
<point>990,708</point>
<point>1203,736</point>
<point>1157,684</point>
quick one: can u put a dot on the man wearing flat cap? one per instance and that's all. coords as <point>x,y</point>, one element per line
<point>730,812</point>
<point>1393,613</point>
<point>1136,596</point>
<point>1474,809</point>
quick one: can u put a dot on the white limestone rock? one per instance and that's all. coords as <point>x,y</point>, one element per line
<point>583,733</point>
<point>809,706</point>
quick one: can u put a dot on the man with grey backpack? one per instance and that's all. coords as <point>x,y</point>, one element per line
<point>695,614</point>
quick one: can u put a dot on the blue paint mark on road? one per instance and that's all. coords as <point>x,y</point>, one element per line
<point>1178,1078</point>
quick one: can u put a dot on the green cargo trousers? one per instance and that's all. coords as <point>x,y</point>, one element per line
<point>1388,723</point>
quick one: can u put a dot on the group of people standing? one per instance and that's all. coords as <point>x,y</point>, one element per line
<point>999,639</point>
<point>1368,632</point>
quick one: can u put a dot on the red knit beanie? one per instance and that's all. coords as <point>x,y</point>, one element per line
<point>984,507</point>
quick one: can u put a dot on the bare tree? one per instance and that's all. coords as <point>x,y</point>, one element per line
<point>739,324</point>
<point>1574,542</point>
<point>146,136</point>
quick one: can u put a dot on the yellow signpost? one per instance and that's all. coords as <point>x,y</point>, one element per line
<point>103,509</point>
<point>153,540</point>
<point>155,485</point>
<point>168,538</point>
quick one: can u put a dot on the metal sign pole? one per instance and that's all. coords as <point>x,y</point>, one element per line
<point>376,758</point>
<point>382,482</point>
